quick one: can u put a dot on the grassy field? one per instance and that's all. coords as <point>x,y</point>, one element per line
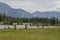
<point>30,34</point>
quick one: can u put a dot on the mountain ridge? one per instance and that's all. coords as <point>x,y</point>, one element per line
<point>47,14</point>
<point>20,13</point>
<point>4,8</point>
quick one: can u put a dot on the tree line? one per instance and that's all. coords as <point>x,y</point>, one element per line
<point>10,20</point>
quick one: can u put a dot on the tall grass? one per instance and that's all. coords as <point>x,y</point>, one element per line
<point>30,34</point>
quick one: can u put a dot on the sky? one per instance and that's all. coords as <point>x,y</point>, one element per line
<point>34,5</point>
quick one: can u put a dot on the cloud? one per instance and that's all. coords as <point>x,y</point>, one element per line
<point>35,5</point>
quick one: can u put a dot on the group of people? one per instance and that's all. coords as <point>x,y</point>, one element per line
<point>26,26</point>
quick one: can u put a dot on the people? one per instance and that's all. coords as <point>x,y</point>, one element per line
<point>42,26</point>
<point>26,26</point>
<point>37,25</point>
<point>15,26</point>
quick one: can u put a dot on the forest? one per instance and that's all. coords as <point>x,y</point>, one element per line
<point>35,21</point>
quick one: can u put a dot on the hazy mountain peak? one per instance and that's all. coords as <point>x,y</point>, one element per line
<point>4,5</point>
<point>4,8</point>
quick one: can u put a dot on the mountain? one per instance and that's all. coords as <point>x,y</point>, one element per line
<point>47,14</point>
<point>8,11</point>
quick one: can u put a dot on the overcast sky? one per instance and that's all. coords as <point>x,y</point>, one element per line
<point>34,5</point>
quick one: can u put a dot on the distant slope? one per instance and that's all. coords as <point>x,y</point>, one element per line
<point>47,14</point>
<point>4,8</point>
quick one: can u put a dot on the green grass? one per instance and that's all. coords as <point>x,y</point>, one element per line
<point>30,34</point>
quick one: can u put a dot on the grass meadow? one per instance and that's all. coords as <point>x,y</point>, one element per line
<point>30,34</point>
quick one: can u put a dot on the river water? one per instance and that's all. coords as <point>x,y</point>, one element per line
<point>23,26</point>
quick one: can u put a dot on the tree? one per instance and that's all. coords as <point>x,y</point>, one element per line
<point>52,21</point>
